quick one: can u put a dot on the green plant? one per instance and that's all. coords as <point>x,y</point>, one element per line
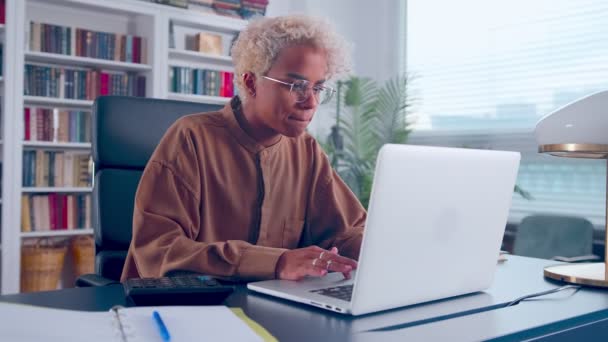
<point>367,117</point>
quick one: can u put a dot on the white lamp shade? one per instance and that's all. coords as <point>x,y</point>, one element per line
<point>584,121</point>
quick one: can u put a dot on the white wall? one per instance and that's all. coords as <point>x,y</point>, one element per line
<point>371,26</point>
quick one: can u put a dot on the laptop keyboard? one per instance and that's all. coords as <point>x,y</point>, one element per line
<point>343,292</point>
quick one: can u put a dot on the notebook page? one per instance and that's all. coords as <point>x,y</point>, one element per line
<point>187,323</point>
<point>27,323</point>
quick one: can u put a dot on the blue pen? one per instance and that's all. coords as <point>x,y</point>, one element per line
<point>162,328</point>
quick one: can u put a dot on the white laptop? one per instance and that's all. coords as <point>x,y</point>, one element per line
<point>435,223</point>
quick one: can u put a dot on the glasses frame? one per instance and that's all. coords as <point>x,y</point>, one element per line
<point>315,93</point>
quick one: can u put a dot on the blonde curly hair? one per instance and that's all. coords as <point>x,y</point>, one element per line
<point>259,44</point>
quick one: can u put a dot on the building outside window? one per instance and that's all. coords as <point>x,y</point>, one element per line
<point>485,71</point>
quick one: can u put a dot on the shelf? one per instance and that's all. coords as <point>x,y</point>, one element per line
<point>210,21</point>
<point>34,56</point>
<point>60,232</point>
<point>135,17</point>
<point>57,102</point>
<point>199,98</point>
<point>56,145</point>
<point>199,56</point>
<point>51,189</point>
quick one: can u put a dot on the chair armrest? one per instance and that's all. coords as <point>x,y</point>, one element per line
<point>88,280</point>
<point>582,258</point>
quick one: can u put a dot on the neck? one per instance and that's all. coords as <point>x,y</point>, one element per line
<point>249,121</point>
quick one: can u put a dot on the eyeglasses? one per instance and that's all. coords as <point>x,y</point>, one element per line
<point>300,88</point>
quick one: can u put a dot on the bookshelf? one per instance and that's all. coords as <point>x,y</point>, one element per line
<point>56,145</point>
<point>39,100</point>
<point>5,90</point>
<point>198,98</point>
<point>35,56</point>
<point>167,32</point>
<point>42,190</point>
<point>185,55</point>
<point>57,233</point>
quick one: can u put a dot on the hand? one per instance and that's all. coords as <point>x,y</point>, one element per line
<point>312,261</point>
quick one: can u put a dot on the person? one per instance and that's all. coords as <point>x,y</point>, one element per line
<point>245,193</point>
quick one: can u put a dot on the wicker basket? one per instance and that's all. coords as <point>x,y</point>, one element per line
<point>41,266</point>
<point>82,249</point>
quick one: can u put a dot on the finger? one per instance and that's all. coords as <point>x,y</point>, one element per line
<point>332,254</point>
<point>316,271</point>
<point>338,259</point>
<point>315,252</point>
<point>303,271</point>
<point>334,266</point>
<point>347,275</point>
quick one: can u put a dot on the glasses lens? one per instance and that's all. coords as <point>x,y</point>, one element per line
<point>325,95</point>
<point>300,90</point>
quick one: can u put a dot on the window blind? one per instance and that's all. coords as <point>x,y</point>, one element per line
<point>485,71</point>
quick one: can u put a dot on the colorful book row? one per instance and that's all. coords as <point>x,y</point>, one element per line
<point>87,43</point>
<point>56,169</point>
<point>54,211</point>
<point>56,125</point>
<point>81,84</point>
<point>201,82</point>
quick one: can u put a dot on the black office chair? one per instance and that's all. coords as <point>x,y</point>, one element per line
<point>562,238</point>
<point>126,131</point>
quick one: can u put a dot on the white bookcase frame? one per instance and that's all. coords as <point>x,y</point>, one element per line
<point>136,17</point>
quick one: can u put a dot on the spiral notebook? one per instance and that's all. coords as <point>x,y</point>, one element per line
<point>185,323</point>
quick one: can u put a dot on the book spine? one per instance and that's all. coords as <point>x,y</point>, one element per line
<point>136,49</point>
<point>129,49</point>
<point>26,223</point>
<point>52,206</point>
<point>26,124</point>
<point>104,84</point>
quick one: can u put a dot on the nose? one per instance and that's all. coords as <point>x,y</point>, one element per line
<point>311,100</point>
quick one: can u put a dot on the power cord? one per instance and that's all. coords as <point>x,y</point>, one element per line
<point>543,293</point>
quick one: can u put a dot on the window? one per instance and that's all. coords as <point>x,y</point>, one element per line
<point>486,71</point>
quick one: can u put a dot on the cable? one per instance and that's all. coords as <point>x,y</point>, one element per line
<point>543,293</point>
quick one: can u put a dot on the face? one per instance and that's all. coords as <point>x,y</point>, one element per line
<point>277,110</point>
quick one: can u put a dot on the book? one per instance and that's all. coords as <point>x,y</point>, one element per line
<point>2,11</point>
<point>177,3</point>
<point>26,223</point>
<point>205,6</point>
<point>208,43</point>
<point>184,323</point>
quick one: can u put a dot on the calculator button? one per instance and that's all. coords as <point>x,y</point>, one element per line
<point>211,282</point>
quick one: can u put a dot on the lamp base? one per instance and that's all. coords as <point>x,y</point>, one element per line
<point>588,274</point>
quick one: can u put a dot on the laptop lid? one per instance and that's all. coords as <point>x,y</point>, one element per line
<point>435,223</point>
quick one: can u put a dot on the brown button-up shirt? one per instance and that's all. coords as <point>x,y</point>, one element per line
<point>212,200</point>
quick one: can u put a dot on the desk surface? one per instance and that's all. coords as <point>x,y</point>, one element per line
<point>472,317</point>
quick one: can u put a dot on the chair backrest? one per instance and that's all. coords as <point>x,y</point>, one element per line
<point>126,130</point>
<point>547,236</point>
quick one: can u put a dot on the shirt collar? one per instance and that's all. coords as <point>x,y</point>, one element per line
<point>230,111</point>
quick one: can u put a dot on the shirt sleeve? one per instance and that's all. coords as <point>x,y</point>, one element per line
<point>166,223</point>
<point>337,217</point>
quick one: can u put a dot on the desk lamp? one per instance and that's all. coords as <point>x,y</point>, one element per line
<point>578,130</point>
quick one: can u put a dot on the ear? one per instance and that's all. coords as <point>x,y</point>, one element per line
<point>249,81</point>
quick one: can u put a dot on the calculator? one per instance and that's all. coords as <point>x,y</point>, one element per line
<point>176,290</point>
